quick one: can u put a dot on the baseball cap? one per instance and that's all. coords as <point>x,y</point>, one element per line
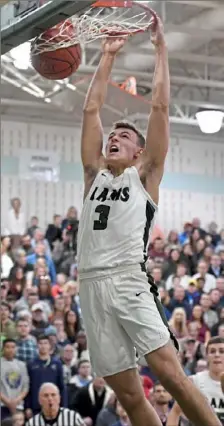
<point>50,331</point>
<point>37,307</point>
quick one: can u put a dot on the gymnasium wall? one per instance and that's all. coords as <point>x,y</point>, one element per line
<point>193,184</point>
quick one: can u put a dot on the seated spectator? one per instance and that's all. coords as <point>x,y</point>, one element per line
<point>179,301</point>
<point>14,380</point>
<point>40,252</point>
<point>72,325</point>
<point>57,290</point>
<point>69,369</point>
<point>34,222</point>
<point>207,254</point>
<point>202,272</point>
<point>82,378</point>
<point>215,267</point>
<point>178,323</point>
<point>203,330</point>
<point>6,261</point>
<point>199,249</point>
<point>215,298</point>
<point>26,344</point>
<point>172,238</point>
<point>160,401</point>
<point>21,262</point>
<point>59,308</point>
<point>181,273</point>
<point>7,326</point>
<point>123,418</point>
<point>157,276</point>
<point>54,232</point>
<point>108,415</point>
<point>38,237</point>
<point>18,283</point>
<point>156,251</point>
<point>214,329</point>
<point>26,244</point>
<point>45,289</point>
<point>90,399</point>
<point>184,237</point>
<point>192,294</point>
<point>170,265</point>
<point>72,214</point>
<point>210,317</point>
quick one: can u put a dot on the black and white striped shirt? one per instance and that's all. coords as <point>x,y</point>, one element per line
<point>65,417</point>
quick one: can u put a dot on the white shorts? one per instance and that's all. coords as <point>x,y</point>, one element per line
<point>120,314</point>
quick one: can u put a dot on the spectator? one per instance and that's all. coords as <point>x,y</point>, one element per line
<point>59,308</point>
<point>54,232</point>
<point>202,272</point>
<point>156,251</point>
<point>43,369</point>
<point>18,283</point>
<point>123,418</point>
<point>14,380</point>
<point>34,222</point>
<point>45,289</point>
<point>170,265</point>
<point>26,244</point>
<point>40,252</point>
<point>161,399</point>
<point>90,399</point>
<point>220,245</point>
<point>215,298</point>
<point>64,253</point>
<point>178,323</point>
<point>8,328</point>
<point>15,223</point>
<point>108,415</point>
<point>38,237</point>
<point>210,317</point>
<point>69,369</point>
<point>157,276</point>
<point>220,287</point>
<point>72,325</point>
<point>71,215</point>
<point>216,268</point>
<point>6,261</point>
<point>203,331</point>
<point>39,320</point>
<point>184,237</point>
<point>181,273</point>
<point>26,344</point>
<point>192,294</point>
<point>4,289</point>
<point>147,383</point>
<point>21,262</point>
<point>178,301</point>
<point>57,290</point>
<point>82,378</point>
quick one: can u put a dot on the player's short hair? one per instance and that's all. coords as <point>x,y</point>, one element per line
<point>214,341</point>
<point>130,126</point>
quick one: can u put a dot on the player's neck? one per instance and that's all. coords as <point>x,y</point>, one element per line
<point>116,171</point>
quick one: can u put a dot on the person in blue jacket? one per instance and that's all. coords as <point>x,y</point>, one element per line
<point>43,369</point>
<point>40,252</point>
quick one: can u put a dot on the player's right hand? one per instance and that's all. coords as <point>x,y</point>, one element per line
<point>112,45</point>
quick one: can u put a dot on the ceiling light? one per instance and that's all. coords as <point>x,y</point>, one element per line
<point>210,121</point>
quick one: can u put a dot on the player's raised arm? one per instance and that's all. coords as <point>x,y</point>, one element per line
<point>157,139</point>
<point>92,132</point>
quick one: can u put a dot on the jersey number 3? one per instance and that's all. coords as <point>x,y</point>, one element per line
<point>101,223</point>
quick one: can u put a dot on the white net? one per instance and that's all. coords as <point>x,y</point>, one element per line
<point>95,24</point>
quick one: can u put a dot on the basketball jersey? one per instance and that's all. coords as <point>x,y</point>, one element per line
<point>212,390</point>
<point>115,223</point>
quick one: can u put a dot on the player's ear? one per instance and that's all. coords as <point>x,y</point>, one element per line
<point>137,154</point>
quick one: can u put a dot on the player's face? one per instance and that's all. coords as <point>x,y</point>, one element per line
<point>215,357</point>
<point>122,148</point>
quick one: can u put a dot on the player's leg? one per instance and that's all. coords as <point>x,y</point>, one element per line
<point>166,366</point>
<point>129,390</point>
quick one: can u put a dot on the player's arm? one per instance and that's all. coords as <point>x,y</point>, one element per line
<point>174,415</point>
<point>157,139</point>
<point>92,131</point>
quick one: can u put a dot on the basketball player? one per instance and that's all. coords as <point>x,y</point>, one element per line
<point>209,382</point>
<point>121,196</point>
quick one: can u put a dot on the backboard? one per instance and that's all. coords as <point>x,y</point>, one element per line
<point>26,19</point>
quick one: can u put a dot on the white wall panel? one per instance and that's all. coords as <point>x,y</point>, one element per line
<point>45,199</point>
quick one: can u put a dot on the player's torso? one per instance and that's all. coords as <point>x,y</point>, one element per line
<point>113,228</point>
<point>212,390</point>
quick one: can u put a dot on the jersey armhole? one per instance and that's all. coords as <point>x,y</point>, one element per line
<point>100,172</point>
<point>138,180</point>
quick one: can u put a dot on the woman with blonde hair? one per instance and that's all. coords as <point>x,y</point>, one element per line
<point>178,323</point>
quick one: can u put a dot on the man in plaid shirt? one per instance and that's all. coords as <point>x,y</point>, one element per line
<point>26,345</point>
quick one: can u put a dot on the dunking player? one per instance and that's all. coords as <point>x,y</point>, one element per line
<point>209,382</point>
<point>121,196</point>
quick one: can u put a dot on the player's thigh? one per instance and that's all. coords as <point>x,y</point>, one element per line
<point>138,313</point>
<point>111,349</point>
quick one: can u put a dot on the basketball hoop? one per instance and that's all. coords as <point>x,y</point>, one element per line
<point>105,18</point>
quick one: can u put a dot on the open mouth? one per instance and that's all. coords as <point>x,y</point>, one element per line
<point>113,149</point>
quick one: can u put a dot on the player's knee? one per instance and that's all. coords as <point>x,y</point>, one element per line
<point>131,400</point>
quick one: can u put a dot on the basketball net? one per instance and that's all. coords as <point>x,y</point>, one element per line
<point>130,86</point>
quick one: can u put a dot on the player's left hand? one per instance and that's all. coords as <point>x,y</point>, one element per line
<point>157,33</point>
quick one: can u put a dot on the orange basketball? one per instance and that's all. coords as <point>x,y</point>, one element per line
<point>62,62</point>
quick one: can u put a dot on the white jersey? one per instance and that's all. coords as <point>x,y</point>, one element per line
<point>116,221</point>
<point>212,390</point>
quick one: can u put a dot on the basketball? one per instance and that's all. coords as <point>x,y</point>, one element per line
<point>60,63</point>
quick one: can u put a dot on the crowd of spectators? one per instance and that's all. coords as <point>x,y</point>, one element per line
<point>42,333</point>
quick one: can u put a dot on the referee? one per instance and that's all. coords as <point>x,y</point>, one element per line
<point>51,413</point>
